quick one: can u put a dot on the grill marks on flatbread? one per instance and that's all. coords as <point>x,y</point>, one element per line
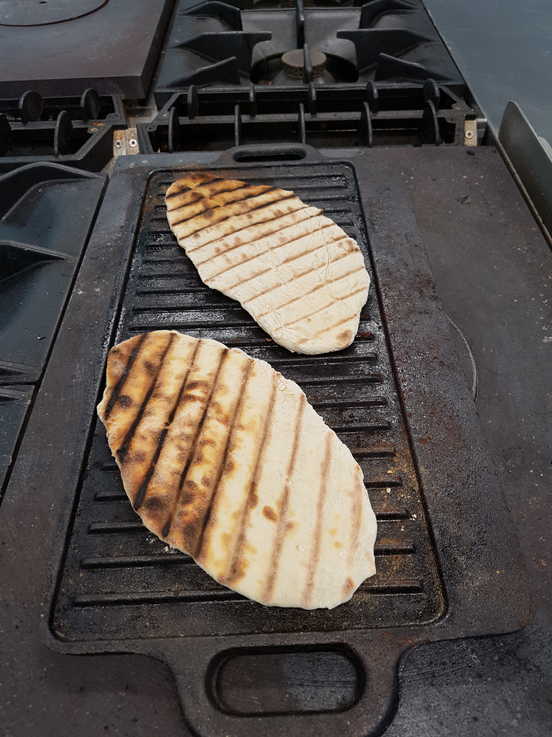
<point>293,269</point>
<point>225,460</point>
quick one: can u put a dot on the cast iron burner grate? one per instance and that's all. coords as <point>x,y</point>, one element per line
<point>40,253</point>
<point>71,129</point>
<point>119,581</point>
<point>374,114</point>
<point>237,43</point>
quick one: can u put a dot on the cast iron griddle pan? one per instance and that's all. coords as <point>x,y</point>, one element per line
<point>447,561</point>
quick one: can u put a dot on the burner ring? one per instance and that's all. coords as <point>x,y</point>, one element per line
<point>45,12</point>
<point>293,62</point>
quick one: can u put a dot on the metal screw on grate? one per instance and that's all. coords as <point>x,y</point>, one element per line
<point>125,142</point>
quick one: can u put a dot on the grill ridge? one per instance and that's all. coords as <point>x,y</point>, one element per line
<point>113,562</point>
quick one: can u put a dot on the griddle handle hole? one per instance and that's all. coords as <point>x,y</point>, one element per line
<point>289,690</point>
<point>271,153</point>
<point>262,155</point>
<point>267,681</point>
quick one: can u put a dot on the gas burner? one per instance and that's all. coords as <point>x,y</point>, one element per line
<point>276,42</point>
<point>251,71</point>
<point>294,63</point>
<point>299,65</point>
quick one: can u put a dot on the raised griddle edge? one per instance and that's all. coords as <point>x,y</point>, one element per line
<point>478,552</point>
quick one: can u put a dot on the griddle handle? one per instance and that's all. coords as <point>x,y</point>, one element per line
<point>278,153</point>
<point>196,673</point>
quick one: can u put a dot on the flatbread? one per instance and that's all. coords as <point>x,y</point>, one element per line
<point>296,272</point>
<point>224,459</point>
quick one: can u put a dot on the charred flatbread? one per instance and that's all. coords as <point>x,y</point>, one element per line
<point>224,459</point>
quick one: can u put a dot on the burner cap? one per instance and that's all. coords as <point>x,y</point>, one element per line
<point>294,62</point>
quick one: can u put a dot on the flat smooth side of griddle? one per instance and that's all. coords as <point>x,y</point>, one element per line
<point>120,582</point>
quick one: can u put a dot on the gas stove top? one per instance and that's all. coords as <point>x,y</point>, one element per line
<point>326,74</point>
<point>279,43</point>
<point>360,107</point>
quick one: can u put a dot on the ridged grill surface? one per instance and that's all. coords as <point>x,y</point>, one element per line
<point>119,581</point>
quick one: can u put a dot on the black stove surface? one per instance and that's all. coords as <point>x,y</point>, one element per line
<point>238,43</point>
<point>492,273</point>
<point>63,47</point>
<point>479,235</point>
